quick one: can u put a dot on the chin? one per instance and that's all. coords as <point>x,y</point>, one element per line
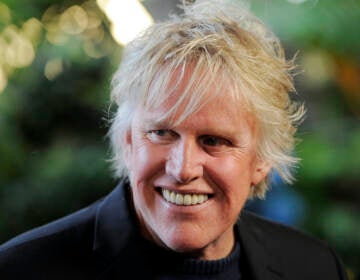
<point>185,245</point>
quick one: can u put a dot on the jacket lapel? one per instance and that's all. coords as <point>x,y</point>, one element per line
<point>116,238</point>
<point>259,261</point>
<point>114,225</point>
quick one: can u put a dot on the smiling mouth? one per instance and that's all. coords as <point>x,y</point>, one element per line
<point>183,199</point>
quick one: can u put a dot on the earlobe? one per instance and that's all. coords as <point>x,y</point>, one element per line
<point>262,169</point>
<point>127,147</point>
<point>128,139</point>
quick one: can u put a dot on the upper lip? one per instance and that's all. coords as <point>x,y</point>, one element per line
<point>184,190</point>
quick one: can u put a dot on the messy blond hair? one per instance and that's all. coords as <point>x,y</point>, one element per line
<point>231,49</point>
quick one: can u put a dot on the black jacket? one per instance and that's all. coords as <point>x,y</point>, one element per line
<point>102,242</point>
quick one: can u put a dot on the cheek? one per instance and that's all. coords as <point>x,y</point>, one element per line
<point>231,176</point>
<point>147,161</point>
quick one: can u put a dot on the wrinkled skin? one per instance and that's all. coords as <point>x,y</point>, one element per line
<point>211,152</point>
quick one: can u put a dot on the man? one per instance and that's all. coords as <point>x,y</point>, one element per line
<point>204,115</point>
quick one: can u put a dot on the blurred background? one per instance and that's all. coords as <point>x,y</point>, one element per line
<point>56,61</point>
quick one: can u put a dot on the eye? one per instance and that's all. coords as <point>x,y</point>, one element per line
<point>158,132</point>
<point>160,135</point>
<point>215,141</point>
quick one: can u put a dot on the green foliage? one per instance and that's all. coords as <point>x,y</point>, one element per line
<point>53,150</point>
<point>54,153</point>
<point>327,24</point>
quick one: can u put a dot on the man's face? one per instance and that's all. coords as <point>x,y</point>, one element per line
<point>189,182</point>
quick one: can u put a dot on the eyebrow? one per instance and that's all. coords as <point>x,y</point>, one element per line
<point>218,131</point>
<point>153,122</point>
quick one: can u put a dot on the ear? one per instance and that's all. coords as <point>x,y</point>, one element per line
<point>262,169</point>
<point>127,147</point>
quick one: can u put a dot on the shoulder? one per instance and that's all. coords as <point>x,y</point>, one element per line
<point>74,224</point>
<point>50,244</point>
<point>296,252</point>
<point>276,232</point>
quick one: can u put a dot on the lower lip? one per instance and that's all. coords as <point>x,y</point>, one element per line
<point>184,208</point>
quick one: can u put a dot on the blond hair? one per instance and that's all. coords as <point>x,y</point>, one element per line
<point>226,43</point>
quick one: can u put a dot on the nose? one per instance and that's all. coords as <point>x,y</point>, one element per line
<point>185,161</point>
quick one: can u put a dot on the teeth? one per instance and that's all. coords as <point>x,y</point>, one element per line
<point>181,199</point>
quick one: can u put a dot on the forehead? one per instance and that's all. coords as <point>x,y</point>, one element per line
<point>187,89</point>
<point>217,113</point>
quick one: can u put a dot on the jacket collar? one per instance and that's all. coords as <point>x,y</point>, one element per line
<point>260,261</point>
<point>115,226</point>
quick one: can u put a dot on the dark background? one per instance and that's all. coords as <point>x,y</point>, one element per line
<point>56,61</point>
